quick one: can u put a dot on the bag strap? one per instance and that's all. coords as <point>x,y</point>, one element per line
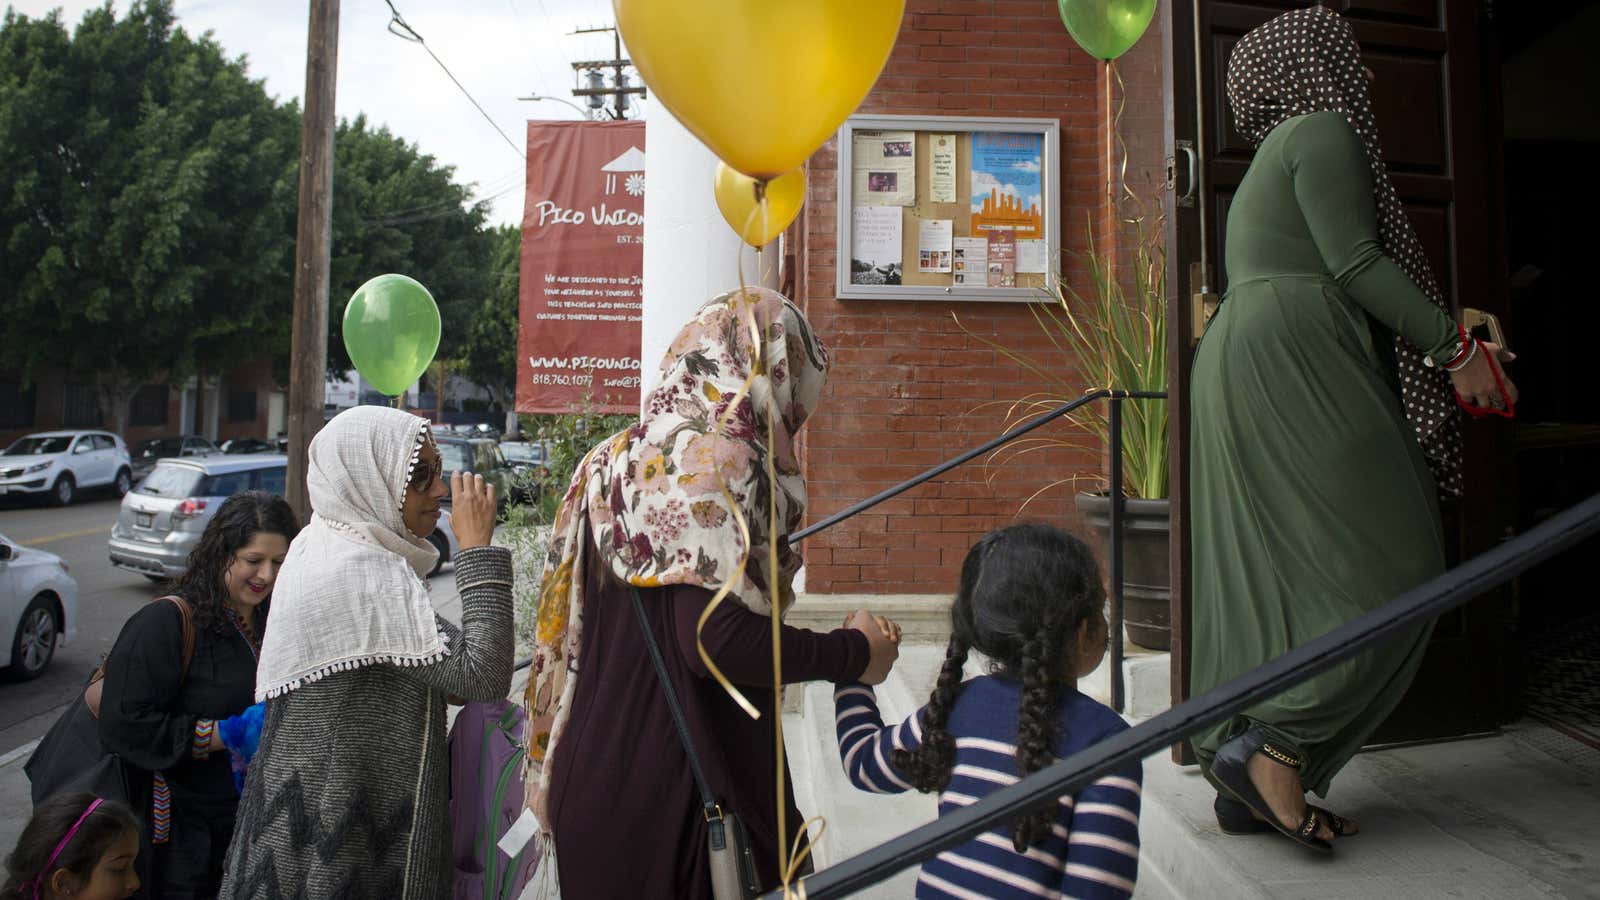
<point>713,812</point>
<point>188,629</point>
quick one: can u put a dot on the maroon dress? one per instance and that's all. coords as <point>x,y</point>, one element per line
<point>625,813</point>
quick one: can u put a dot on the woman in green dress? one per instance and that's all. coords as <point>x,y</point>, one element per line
<point>1322,398</point>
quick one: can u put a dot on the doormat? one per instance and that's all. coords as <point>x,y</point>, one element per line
<point>1563,686</point>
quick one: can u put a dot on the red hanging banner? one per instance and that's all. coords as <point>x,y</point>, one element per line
<point>579,306</point>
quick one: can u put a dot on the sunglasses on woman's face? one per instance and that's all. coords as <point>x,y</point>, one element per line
<point>423,475</point>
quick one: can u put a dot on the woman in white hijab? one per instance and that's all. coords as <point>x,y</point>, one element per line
<point>348,794</point>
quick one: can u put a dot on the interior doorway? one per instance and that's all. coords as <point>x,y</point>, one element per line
<point>1551,135</point>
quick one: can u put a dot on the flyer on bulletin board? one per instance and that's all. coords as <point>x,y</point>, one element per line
<point>942,171</point>
<point>875,245</point>
<point>971,262</point>
<point>1033,257</point>
<point>1006,183</point>
<point>1002,259</point>
<point>885,167</point>
<point>933,245</point>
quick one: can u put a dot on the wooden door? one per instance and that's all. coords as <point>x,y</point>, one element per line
<point>1429,101</point>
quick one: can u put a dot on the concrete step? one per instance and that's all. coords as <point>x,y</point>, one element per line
<point>1510,816</point>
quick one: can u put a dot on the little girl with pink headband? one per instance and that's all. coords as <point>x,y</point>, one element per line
<point>77,845</point>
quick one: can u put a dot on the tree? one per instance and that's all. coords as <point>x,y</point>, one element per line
<point>144,231</point>
<point>487,353</point>
<point>395,209</point>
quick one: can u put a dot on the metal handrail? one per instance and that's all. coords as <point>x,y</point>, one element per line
<point>1444,593</point>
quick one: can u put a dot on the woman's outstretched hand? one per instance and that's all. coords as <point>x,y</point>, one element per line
<point>1476,381</point>
<point>472,510</point>
<point>883,641</point>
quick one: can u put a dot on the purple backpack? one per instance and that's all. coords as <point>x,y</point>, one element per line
<point>486,784</point>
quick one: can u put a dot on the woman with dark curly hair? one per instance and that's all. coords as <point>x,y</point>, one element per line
<point>166,715</point>
<point>1030,603</point>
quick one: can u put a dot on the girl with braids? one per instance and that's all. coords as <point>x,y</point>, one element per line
<point>1031,604</point>
<point>167,716</point>
<point>1324,392</point>
<point>78,846</point>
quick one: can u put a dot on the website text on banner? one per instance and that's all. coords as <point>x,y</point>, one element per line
<point>579,304</point>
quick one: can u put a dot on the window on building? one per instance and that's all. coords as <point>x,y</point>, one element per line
<point>149,406</point>
<point>16,405</point>
<point>241,405</point>
<point>81,408</point>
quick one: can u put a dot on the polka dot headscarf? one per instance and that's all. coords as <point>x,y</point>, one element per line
<point>1308,61</point>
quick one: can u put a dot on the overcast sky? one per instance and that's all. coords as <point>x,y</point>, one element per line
<point>499,49</point>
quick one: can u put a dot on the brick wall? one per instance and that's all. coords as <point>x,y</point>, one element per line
<point>50,393</point>
<point>909,387</point>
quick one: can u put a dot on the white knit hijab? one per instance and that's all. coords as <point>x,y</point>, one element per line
<point>351,591</point>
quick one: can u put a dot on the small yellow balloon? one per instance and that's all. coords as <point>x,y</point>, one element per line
<point>763,83</point>
<point>758,216</point>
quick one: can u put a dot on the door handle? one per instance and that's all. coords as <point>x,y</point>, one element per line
<point>1477,318</point>
<point>1186,199</point>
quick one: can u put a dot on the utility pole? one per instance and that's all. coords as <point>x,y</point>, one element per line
<point>308,357</point>
<point>592,71</point>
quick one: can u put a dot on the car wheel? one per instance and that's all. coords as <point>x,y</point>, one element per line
<point>124,482</point>
<point>35,642</point>
<point>66,490</point>
<point>443,547</point>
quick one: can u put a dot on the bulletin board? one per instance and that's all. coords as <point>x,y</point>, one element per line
<point>910,227</point>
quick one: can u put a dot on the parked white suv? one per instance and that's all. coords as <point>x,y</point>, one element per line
<point>58,464</point>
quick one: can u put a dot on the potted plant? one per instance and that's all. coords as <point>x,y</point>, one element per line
<point>1116,332</point>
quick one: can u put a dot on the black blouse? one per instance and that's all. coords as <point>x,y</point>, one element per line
<point>148,709</point>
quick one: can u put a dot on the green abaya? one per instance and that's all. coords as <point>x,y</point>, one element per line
<point>1311,500</point>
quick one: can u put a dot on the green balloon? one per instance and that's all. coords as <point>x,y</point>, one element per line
<point>391,330</point>
<point>1106,28</point>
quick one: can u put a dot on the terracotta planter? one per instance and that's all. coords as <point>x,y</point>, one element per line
<point>1146,566</point>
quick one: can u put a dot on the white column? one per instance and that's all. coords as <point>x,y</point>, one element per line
<point>690,253</point>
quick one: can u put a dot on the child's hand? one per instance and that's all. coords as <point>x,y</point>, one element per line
<point>883,641</point>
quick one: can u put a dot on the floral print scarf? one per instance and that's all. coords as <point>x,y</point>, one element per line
<point>652,503</point>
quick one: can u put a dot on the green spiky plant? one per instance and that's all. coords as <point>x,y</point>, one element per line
<point>1118,335</point>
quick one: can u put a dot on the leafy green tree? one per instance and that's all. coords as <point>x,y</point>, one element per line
<point>396,209</point>
<point>487,353</point>
<point>143,229</point>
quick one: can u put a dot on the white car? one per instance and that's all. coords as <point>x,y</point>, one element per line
<point>38,608</point>
<point>58,464</point>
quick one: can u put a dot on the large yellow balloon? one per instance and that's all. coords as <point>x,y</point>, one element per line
<point>762,82</point>
<point>758,218</point>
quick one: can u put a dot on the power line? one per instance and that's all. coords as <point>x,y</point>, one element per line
<point>544,79</point>
<point>406,32</point>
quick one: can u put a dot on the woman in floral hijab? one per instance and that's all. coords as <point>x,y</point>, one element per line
<point>682,508</point>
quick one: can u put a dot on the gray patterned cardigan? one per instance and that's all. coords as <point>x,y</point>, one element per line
<point>348,795</point>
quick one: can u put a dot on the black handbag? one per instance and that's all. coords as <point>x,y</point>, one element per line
<point>733,865</point>
<point>70,757</point>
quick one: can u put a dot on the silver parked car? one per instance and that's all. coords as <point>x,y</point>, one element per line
<point>162,519</point>
<point>38,608</point>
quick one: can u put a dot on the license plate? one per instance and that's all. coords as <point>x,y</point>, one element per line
<point>144,519</point>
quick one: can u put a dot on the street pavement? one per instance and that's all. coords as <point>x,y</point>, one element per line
<point>107,596</point>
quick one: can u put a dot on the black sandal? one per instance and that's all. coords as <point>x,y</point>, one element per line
<point>1235,818</point>
<point>1229,768</point>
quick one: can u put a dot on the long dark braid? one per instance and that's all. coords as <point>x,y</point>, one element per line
<point>1024,591</point>
<point>929,765</point>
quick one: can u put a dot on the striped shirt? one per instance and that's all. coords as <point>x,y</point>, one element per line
<point>1092,850</point>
